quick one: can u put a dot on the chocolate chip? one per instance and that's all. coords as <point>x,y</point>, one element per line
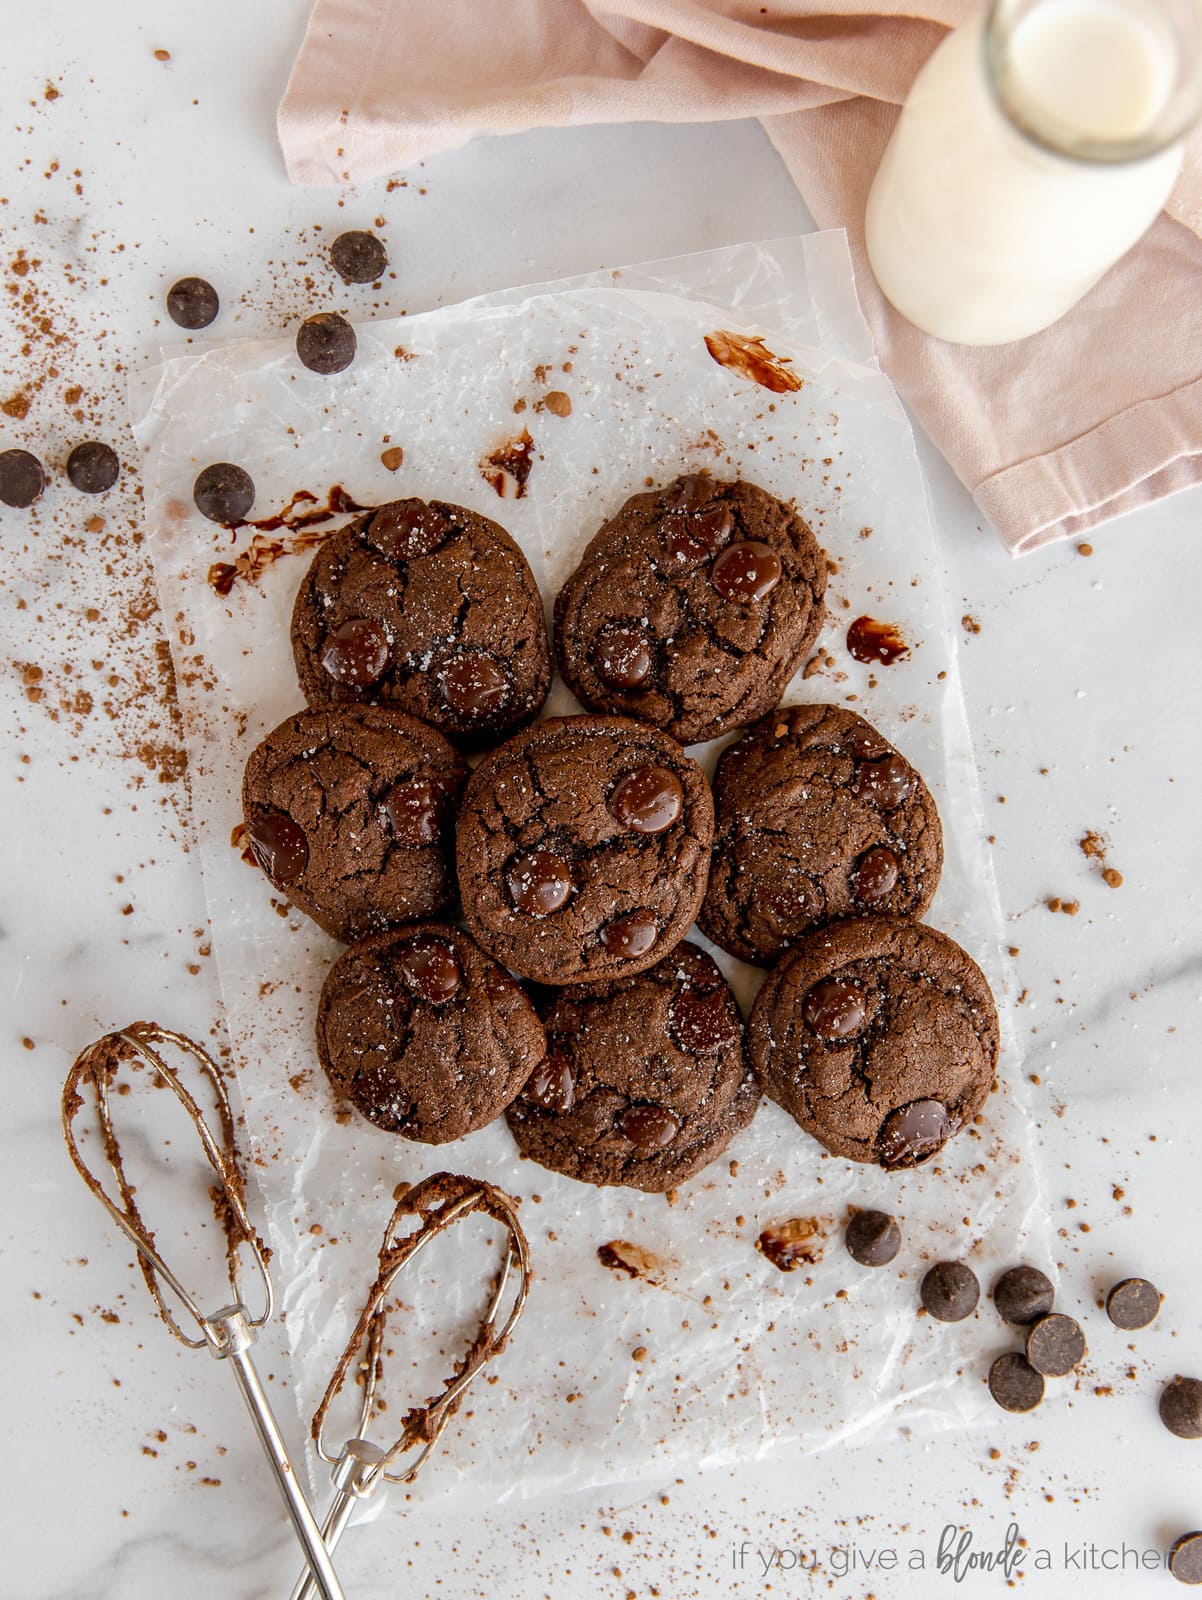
<point>788,903</point>
<point>414,811</point>
<point>872,1238</point>
<point>377,1094</point>
<point>551,1085</point>
<point>622,656</point>
<point>648,800</point>
<point>1185,1558</point>
<point>430,968</point>
<point>473,684</point>
<point>356,653</point>
<point>93,467</point>
<point>406,529</point>
<point>886,782</point>
<point>1181,1407</point>
<point>875,874</point>
<point>746,572</point>
<point>702,1022</point>
<point>1055,1345</point>
<point>632,935</point>
<point>1133,1303</point>
<point>224,493</point>
<point>950,1291</point>
<point>358,257</point>
<point>693,538</point>
<point>835,1008</point>
<point>689,493</point>
<point>539,882</point>
<point>326,343</point>
<point>1022,1295</point>
<point>1014,1383</point>
<point>278,844</point>
<point>649,1127</point>
<point>192,303</point>
<point>912,1134</point>
<point>22,478</point>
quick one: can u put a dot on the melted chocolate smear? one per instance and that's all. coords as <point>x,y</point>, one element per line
<point>750,357</point>
<point>298,517</point>
<point>508,467</point>
<point>870,640</point>
<point>795,1242</point>
<point>619,1255</point>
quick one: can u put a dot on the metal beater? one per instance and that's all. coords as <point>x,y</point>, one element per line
<point>361,1466</point>
<point>229,1333</point>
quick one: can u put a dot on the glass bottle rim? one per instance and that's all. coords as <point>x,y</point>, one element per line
<point>1049,133</point>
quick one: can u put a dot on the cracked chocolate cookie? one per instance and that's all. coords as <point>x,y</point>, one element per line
<point>430,608</point>
<point>692,608</point>
<point>879,1036</point>
<point>583,848</point>
<point>351,813</point>
<point>645,1080</point>
<point>425,1034</point>
<point>817,818</point>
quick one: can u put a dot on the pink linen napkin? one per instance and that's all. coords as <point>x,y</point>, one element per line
<point>1097,415</point>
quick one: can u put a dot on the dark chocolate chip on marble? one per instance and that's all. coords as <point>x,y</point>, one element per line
<point>647,800</point>
<point>93,467</point>
<point>913,1134</point>
<point>873,1238</point>
<point>22,478</point>
<point>950,1291</point>
<point>746,572</point>
<point>192,303</point>
<point>1185,1558</point>
<point>224,492</point>
<point>356,653</point>
<point>278,844</point>
<point>430,967</point>
<point>539,882</point>
<point>1055,1345</point>
<point>1014,1383</point>
<point>326,343</point>
<point>1022,1295</point>
<point>1133,1303</point>
<point>835,1008</point>
<point>358,257</point>
<point>1181,1407</point>
<point>649,1127</point>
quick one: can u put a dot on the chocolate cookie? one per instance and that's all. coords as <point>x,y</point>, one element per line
<point>645,1081</point>
<point>351,814</point>
<point>430,608</point>
<point>879,1036</point>
<point>818,817</point>
<point>692,608</point>
<point>426,1035</point>
<point>583,847</point>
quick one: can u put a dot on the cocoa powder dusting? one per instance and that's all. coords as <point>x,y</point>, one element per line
<point>750,357</point>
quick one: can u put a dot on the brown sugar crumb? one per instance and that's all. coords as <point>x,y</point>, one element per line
<point>392,457</point>
<point>1092,846</point>
<point>50,92</point>
<point>1085,549</point>
<point>1112,877</point>
<point>1053,904</point>
<point>28,1043</point>
<point>1069,907</point>
<point>558,403</point>
<point>162,55</point>
<point>639,1353</point>
<point>970,624</point>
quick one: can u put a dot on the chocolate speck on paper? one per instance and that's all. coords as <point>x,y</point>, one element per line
<point>750,357</point>
<point>298,517</point>
<point>507,468</point>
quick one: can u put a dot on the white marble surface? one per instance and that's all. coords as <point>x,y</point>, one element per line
<point>1085,701</point>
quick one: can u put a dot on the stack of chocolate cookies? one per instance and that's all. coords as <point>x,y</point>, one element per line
<point>581,850</point>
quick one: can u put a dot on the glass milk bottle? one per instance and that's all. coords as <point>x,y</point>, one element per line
<point>1034,149</point>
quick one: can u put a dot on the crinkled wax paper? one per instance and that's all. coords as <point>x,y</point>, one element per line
<point>741,1359</point>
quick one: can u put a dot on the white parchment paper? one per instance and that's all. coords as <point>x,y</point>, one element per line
<point>740,1360</point>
